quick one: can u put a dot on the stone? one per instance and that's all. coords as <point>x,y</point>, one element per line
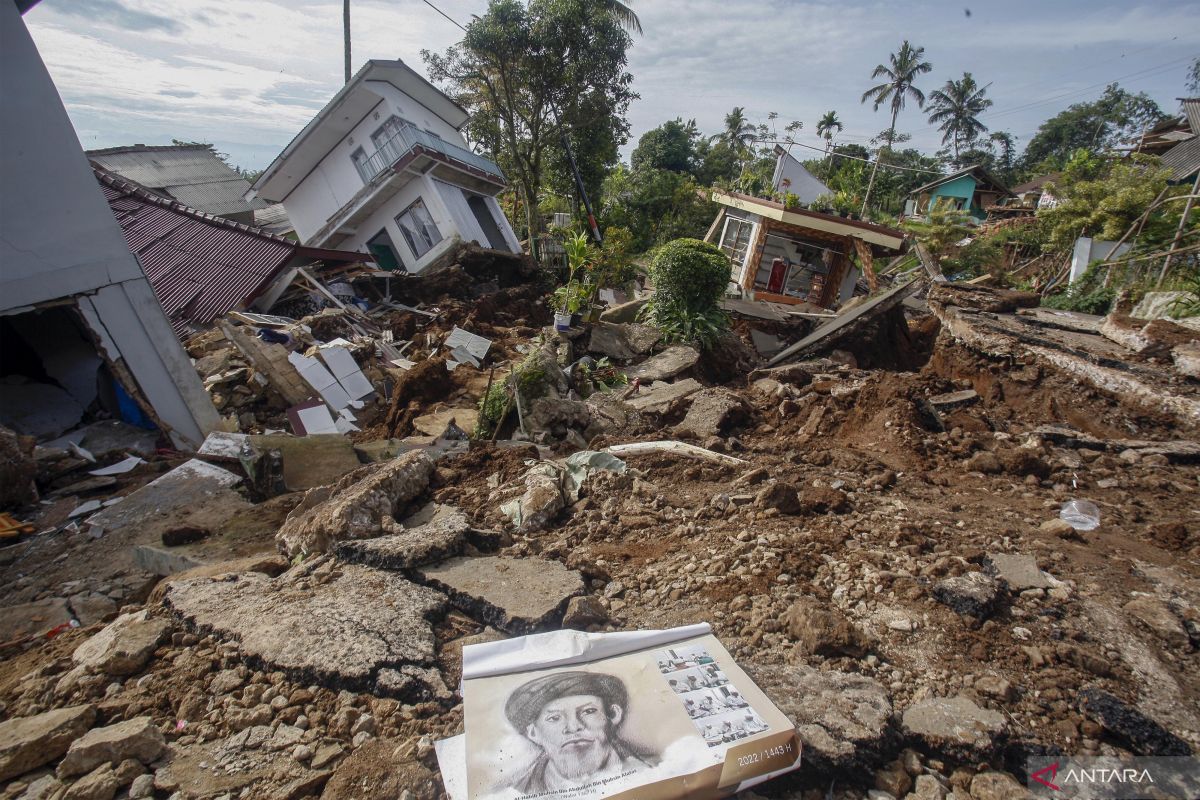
<point>319,622</point>
<point>435,533</point>
<point>27,743</point>
<point>192,491</point>
<point>824,500</point>
<point>927,787</point>
<point>583,611</point>
<point>17,469</point>
<point>711,413</point>
<point>91,608</point>
<point>951,400</point>
<point>516,595</point>
<point>285,737</point>
<point>435,423</point>
<point>33,619</point>
<point>1021,461</point>
<point>356,507</point>
<point>142,786</point>
<point>844,720</point>
<point>127,770</point>
<point>1131,727</point>
<point>326,754</point>
<point>985,462</point>
<point>623,341</point>
<point>893,779</point>
<point>955,725</point>
<point>1058,527</point>
<point>667,364</point>
<point>125,646</point>
<point>995,686</point>
<point>225,682</point>
<point>1158,618</point>
<point>134,738</point>
<point>780,496</point>
<point>997,786</point>
<point>1020,572</point>
<point>971,595</point>
<point>379,769</point>
<point>541,501</point>
<point>659,397</point>
<point>46,787</point>
<point>99,784</point>
<point>821,629</point>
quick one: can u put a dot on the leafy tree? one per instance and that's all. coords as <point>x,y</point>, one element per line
<point>1117,117</point>
<point>669,146</point>
<point>623,14</point>
<point>518,65</point>
<point>955,109</point>
<point>1193,77</point>
<point>943,229</point>
<point>690,277</point>
<point>655,205</point>
<point>716,163</point>
<point>905,67</point>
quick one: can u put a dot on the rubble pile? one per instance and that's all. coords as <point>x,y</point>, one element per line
<point>880,548</point>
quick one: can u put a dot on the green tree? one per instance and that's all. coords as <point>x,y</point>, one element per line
<point>826,127</point>
<point>716,163</point>
<point>655,205</point>
<point>943,229</point>
<point>905,66</point>
<point>517,65</point>
<point>690,276</point>
<point>1193,77</point>
<point>1116,117</point>
<point>955,109</point>
<point>669,146</point>
<point>739,133</point>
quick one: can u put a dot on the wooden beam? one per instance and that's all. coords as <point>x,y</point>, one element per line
<point>868,264</point>
<point>760,243</point>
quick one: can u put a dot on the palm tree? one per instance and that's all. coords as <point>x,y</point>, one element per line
<point>825,128</point>
<point>624,15</point>
<point>906,65</point>
<point>739,134</point>
<point>957,106</point>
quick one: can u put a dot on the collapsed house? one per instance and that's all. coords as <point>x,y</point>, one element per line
<point>80,320</point>
<point>972,189</point>
<point>384,168</point>
<point>794,255</point>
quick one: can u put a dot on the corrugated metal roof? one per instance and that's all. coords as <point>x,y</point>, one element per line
<point>1191,110</point>
<point>1183,159</point>
<point>192,174</point>
<point>273,219</point>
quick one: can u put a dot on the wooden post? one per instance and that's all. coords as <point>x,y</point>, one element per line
<point>868,264</point>
<point>1187,209</point>
<point>755,254</point>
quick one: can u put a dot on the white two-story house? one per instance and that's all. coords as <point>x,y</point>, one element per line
<point>383,169</point>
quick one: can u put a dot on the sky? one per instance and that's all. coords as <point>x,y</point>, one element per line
<point>247,75</point>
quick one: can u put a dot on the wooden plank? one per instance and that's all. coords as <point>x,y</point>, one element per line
<point>868,264</point>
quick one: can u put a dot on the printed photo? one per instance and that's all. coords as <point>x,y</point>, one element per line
<point>695,678</point>
<point>574,722</point>
<point>730,726</point>
<point>681,658</point>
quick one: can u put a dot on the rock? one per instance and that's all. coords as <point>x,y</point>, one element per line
<point>125,646</point>
<point>356,507</point>
<point>17,469</point>
<point>985,462</point>
<point>779,496</point>
<point>142,786</point>
<point>995,686</point>
<point>821,629</point>
<point>971,595</point>
<point>99,784</point>
<point>952,400</point>
<point>127,770</point>
<point>623,341</point>
<point>1158,619</point>
<point>584,611</point>
<point>91,608</point>
<point>658,397</point>
<point>1020,572</point>
<point>927,787</point>
<point>326,754</point>
<point>1130,727</point>
<point>893,779</point>
<point>844,720</point>
<point>516,595</point>
<point>134,738</point>
<point>320,621</point>
<point>33,619</point>
<point>540,503</point>
<point>437,532</point>
<point>378,770</point>
<point>955,726</point>
<point>1021,461</point>
<point>1058,527</point>
<point>192,492</point>
<point>1187,358</point>
<point>46,787</point>
<point>667,364</point>
<point>997,786</point>
<point>711,413</point>
<point>27,743</point>
<point>824,499</point>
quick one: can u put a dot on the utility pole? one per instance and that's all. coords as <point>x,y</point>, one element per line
<point>587,204</point>
<point>346,34</point>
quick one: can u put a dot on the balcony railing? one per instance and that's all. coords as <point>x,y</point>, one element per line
<point>410,137</point>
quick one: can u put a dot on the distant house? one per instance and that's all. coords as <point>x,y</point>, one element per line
<point>792,176</point>
<point>189,173</point>
<point>973,190</point>
<point>1177,141</point>
<point>1032,194</point>
<point>383,168</point>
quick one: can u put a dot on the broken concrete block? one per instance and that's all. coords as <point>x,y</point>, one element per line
<point>136,738</point>
<point>124,646</point>
<point>33,619</point>
<point>821,629</point>
<point>971,595</point>
<point>542,500</point>
<point>170,500</point>
<point>711,413</point>
<point>1131,727</point>
<point>27,743</point>
<point>844,720</point>
<point>1020,572</point>
<point>336,624</point>
<point>516,595</point>
<point>623,341</point>
<point>659,397</point>
<point>358,506</point>
<point>433,534</point>
<point>1158,619</point>
<point>955,725</point>
<point>667,364</point>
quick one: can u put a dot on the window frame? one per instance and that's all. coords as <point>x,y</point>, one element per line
<point>424,229</point>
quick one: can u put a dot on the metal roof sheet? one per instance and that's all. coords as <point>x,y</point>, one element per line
<point>192,174</point>
<point>1183,159</point>
<point>1191,110</point>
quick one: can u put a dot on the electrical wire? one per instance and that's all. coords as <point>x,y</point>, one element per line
<point>843,155</point>
<point>444,14</point>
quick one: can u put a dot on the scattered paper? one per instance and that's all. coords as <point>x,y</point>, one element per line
<point>120,468</point>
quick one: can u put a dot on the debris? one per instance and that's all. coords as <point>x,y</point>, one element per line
<point>955,725</point>
<point>624,341</point>
<point>971,595</point>
<point>667,446</point>
<point>824,500</point>
<point>1156,616</point>
<point>952,400</point>
<point>667,364</point>
<point>541,501</point>
<point>660,396</point>
<point>1082,515</point>
<point>515,595</point>
<point>27,743</point>
<point>172,499</point>
<point>33,619</point>
<point>120,468</point>
<point>1020,572</point>
<point>711,412</point>
<point>1130,727</point>
<point>124,646</point>
<point>582,611</point>
<point>17,469</point>
<point>136,738</point>
<point>432,534</point>
<point>818,629</point>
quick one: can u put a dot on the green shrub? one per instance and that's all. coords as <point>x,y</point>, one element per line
<point>690,277</point>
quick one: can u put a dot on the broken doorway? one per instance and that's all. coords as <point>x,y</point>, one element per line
<point>487,223</point>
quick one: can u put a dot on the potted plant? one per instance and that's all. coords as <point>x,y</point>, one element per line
<point>568,299</point>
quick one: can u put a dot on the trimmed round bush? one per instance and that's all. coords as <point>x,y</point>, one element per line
<point>689,273</point>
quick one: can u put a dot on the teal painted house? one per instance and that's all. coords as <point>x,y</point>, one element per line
<point>973,190</point>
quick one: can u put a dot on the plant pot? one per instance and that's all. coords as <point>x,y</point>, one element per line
<point>576,320</point>
<point>562,322</point>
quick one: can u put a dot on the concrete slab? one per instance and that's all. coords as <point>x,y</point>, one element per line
<point>516,595</point>
<point>667,364</point>
<point>658,397</point>
<point>432,534</point>
<point>168,501</point>
<point>31,619</point>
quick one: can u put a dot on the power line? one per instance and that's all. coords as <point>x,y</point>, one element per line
<point>843,155</point>
<point>444,14</point>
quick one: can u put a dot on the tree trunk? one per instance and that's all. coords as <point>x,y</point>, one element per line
<point>531,217</point>
<point>346,34</point>
<point>875,168</point>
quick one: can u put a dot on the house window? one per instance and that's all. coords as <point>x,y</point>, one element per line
<point>418,228</point>
<point>361,163</point>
